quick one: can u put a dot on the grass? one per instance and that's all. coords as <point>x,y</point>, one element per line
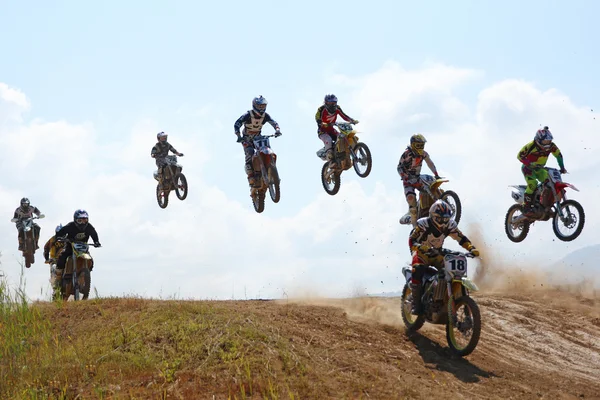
<point>135,348</point>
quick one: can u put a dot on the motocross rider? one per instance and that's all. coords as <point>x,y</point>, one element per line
<point>425,238</point>
<point>409,168</point>
<point>78,230</point>
<point>27,211</point>
<point>534,156</point>
<point>52,250</point>
<point>253,121</point>
<point>326,115</point>
<point>160,151</point>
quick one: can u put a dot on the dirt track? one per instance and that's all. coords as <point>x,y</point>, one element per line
<point>530,347</point>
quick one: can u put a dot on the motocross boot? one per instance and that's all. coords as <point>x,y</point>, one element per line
<point>417,292</point>
<point>413,215</point>
<point>528,207</point>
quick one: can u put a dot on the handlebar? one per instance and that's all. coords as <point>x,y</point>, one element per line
<point>443,252</point>
<point>67,240</point>
<point>41,216</point>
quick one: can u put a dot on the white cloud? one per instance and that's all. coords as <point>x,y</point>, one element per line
<point>213,244</point>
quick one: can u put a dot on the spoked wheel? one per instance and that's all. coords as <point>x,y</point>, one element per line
<point>162,197</point>
<point>463,337</point>
<point>412,322</point>
<point>274,190</point>
<point>516,232</point>
<point>362,159</point>
<point>573,221</point>
<point>331,179</point>
<point>258,200</point>
<point>181,186</point>
<point>84,283</point>
<point>452,198</point>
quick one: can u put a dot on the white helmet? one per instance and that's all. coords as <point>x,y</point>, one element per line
<point>161,136</point>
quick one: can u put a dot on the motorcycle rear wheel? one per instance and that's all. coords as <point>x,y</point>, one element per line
<point>331,185</point>
<point>508,226</point>
<point>162,197</point>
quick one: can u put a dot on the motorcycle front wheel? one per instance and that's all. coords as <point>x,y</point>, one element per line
<point>258,201</point>
<point>362,158</point>
<point>574,218</point>
<point>181,186</point>
<point>274,190</point>
<point>452,198</point>
<point>468,329</point>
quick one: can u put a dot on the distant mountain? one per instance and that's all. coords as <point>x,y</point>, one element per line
<point>582,264</point>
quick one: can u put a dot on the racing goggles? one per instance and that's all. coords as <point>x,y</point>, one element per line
<point>81,221</point>
<point>440,220</point>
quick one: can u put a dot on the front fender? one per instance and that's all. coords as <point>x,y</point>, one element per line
<point>469,284</point>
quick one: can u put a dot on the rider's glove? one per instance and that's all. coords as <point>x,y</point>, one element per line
<point>437,177</point>
<point>354,121</point>
<point>240,139</point>
<point>180,154</point>
<point>97,244</point>
<point>277,133</point>
<point>474,251</point>
<point>563,170</point>
<point>423,247</point>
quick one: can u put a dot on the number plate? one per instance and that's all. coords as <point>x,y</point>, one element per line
<point>80,247</point>
<point>456,265</point>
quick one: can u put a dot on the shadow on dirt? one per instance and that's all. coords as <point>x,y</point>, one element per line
<point>444,360</point>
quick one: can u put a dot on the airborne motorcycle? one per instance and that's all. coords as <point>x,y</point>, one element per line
<point>266,177</point>
<point>550,201</point>
<point>77,277</point>
<point>172,179</point>
<point>444,293</point>
<point>430,192</point>
<point>29,238</point>
<point>347,152</point>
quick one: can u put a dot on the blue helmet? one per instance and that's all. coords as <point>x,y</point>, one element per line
<point>58,228</point>
<point>330,102</point>
<point>259,105</point>
<point>81,217</point>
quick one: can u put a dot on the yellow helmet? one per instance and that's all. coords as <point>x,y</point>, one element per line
<point>417,143</point>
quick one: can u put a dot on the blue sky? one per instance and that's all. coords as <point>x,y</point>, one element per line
<point>115,73</point>
<point>122,59</point>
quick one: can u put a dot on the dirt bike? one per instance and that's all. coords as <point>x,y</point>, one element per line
<point>172,179</point>
<point>266,177</point>
<point>347,151</point>
<point>431,192</point>
<point>29,238</point>
<point>77,277</point>
<point>444,293</point>
<point>550,201</point>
